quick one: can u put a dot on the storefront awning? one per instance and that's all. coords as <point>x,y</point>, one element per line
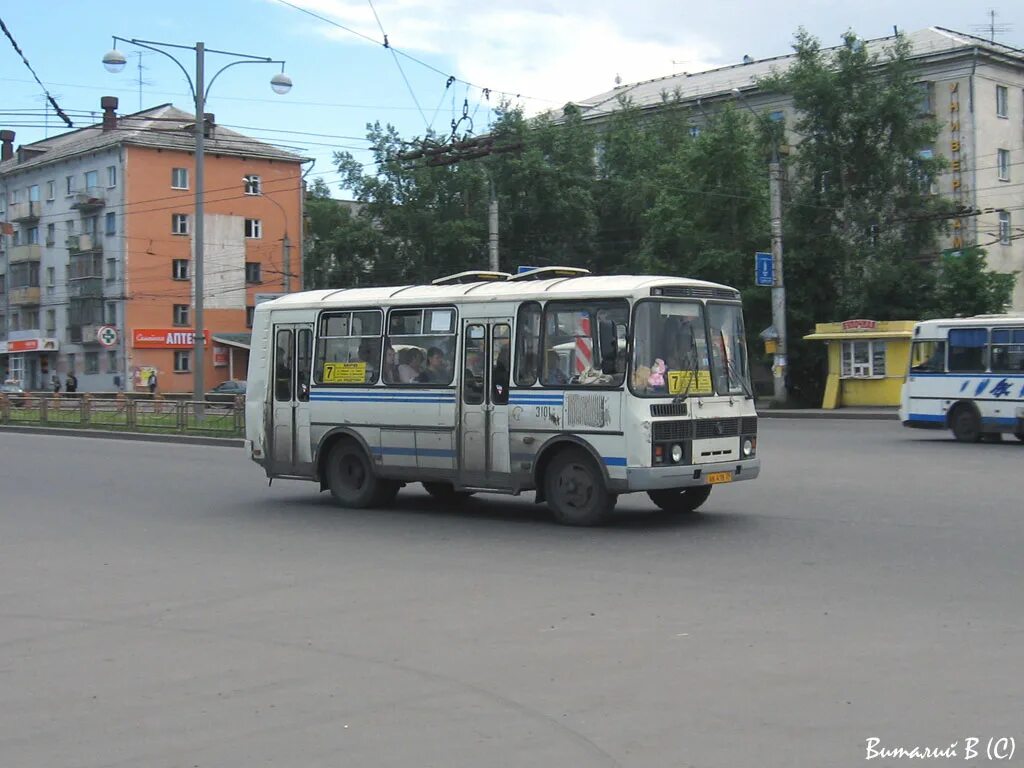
<point>237,340</point>
<point>853,335</point>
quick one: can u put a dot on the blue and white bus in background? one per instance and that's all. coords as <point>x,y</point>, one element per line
<point>576,386</point>
<point>967,375</point>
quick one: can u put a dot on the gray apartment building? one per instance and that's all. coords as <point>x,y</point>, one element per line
<point>973,86</point>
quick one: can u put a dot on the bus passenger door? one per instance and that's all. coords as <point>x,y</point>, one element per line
<point>290,450</point>
<point>484,441</point>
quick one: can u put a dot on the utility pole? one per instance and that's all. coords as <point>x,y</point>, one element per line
<point>775,179</point>
<point>778,287</point>
<point>492,226</point>
<point>286,262</point>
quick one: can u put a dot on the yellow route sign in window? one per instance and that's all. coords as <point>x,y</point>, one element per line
<point>344,373</point>
<point>679,382</point>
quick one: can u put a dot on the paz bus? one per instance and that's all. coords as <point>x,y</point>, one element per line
<point>967,375</point>
<point>576,386</point>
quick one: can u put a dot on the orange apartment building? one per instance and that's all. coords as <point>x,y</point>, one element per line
<point>98,250</point>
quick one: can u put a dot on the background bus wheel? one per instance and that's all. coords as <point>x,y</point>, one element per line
<point>680,500</point>
<point>446,493</point>
<point>351,480</point>
<point>992,437</point>
<point>966,424</point>
<point>1019,435</point>
<point>575,490</point>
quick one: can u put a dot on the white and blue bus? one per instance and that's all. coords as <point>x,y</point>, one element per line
<point>967,375</point>
<point>576,386</point>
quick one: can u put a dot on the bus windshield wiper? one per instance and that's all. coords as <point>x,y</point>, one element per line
<point>730,368</point>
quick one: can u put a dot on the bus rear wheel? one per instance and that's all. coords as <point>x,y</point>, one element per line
<point>575,489</point>
<point>966,424</point>
<point>680,500</point>
<point>351,478</point>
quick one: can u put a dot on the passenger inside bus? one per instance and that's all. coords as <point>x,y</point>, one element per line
<point>369,353</point>
<point>500,376</point>
<point>410,365</point>
<point>390,371</point>
<point>437,370</point>
<point>553,373</point>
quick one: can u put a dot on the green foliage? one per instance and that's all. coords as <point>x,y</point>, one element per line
<point>965,286</point>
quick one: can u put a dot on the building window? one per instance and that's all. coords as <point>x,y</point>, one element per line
<point>694,131</point>
<point>91,225</point>
<point>179,178</point>
<point>1003,163</point>
<point>252,184</point>
<point>92,362</point>
<point>51,280</point>
<point>249,312</point>
<point>1002,101</point>
<point>33,193</point>
<point>182,361</point>
<point>69,226</point>
<point>92,180</point>
<point>69,185</point>
<point>51,322</point>
<point>252,272</point>
<point>926,98</point>
<point>32,236</point>
<point>111,223</point>
<point>51,234</point>
<point>181,314</point>
<point>51,190</point>
<point>179,269</point>
<point>1004,228</point>
<point>179,223</point>
<point>111,270</point>
<point>15,196</point>
<point>111,175</point>
<point>253,228</point>
<point>112,361</point>
<point>863,359</point>
<point>110,313</point>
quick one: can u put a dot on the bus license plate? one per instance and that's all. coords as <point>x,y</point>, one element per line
<point>719,477</point>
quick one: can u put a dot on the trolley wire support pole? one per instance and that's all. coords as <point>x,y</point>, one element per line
<point>114,61</point>
<point>775,180</point>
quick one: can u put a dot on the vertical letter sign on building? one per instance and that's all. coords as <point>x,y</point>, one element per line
<point>764,268</point>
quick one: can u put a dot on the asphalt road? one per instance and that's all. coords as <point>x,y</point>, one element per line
<point>160,606</point>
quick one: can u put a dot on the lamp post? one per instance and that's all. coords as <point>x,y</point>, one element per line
<point>115,61</point>
<point>778,282</point>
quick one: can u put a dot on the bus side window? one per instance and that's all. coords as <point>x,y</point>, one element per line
<point>501,344</point>
<point>305,359</point>
<point>527,344</point>
<point>967,350</point>
<point>283,366</point>
<point>475,346</point>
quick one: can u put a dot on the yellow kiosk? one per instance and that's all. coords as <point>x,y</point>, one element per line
<point>867,361</point>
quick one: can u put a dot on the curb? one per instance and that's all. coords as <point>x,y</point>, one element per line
<point>840,415</point>
<point>220,442</point>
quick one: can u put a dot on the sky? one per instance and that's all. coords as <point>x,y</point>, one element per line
<point>540,53</point>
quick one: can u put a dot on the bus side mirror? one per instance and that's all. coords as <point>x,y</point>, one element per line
<point>608,344</point>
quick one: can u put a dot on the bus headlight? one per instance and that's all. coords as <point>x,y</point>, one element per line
<point>748,447</point>
<point>677,453</point>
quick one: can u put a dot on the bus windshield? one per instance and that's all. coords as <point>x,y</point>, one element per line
<point>673,354</point>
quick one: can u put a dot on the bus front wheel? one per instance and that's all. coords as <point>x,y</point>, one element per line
<point>575,489</point>
<point>966,424</point>
<point>680,500</point>
<point>351,478</point>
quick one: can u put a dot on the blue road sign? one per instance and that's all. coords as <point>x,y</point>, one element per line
<point>764,268</point>
<point>521,269</point>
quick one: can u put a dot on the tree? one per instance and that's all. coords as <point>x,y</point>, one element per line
<point>340,246</point>
<point>965,286</point>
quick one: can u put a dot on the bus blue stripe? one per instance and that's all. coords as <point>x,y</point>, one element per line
<point>615,461</point>
<point>927,417</point>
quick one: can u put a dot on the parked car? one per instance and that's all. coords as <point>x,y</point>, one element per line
<point>11,388</point>
<point>226,391</point>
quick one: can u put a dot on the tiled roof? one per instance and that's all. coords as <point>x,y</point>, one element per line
<point>162,127</point>
<point>716,82</point>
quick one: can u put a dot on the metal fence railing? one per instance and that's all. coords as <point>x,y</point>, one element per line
<point>131,414</point>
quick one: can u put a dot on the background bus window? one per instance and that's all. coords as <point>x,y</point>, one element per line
<point>283,367</point>
<point>572,356</point>
<point>1008,350</point>
<point>967,350</point>
<point>349,348</point>
<point>527,344</point>
<point>928,357</point>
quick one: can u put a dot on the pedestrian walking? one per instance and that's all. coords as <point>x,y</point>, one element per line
<point>55,384</point>
<point>152,382</point>
<point>71,383</point>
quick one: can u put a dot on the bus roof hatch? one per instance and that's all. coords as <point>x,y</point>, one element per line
<point>472,276</point>
<point>549,273</point>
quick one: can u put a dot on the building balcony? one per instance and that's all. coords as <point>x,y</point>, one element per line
<point>21,253</point>
<point>25,212</point>
<point>92,198</point>
<point>83,243</point>
<point>84,334</point>
<point>27,296</point>
<point>85,288</point>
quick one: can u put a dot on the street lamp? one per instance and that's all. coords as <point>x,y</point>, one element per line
<point>114,61</point>
<point>778,282</point>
